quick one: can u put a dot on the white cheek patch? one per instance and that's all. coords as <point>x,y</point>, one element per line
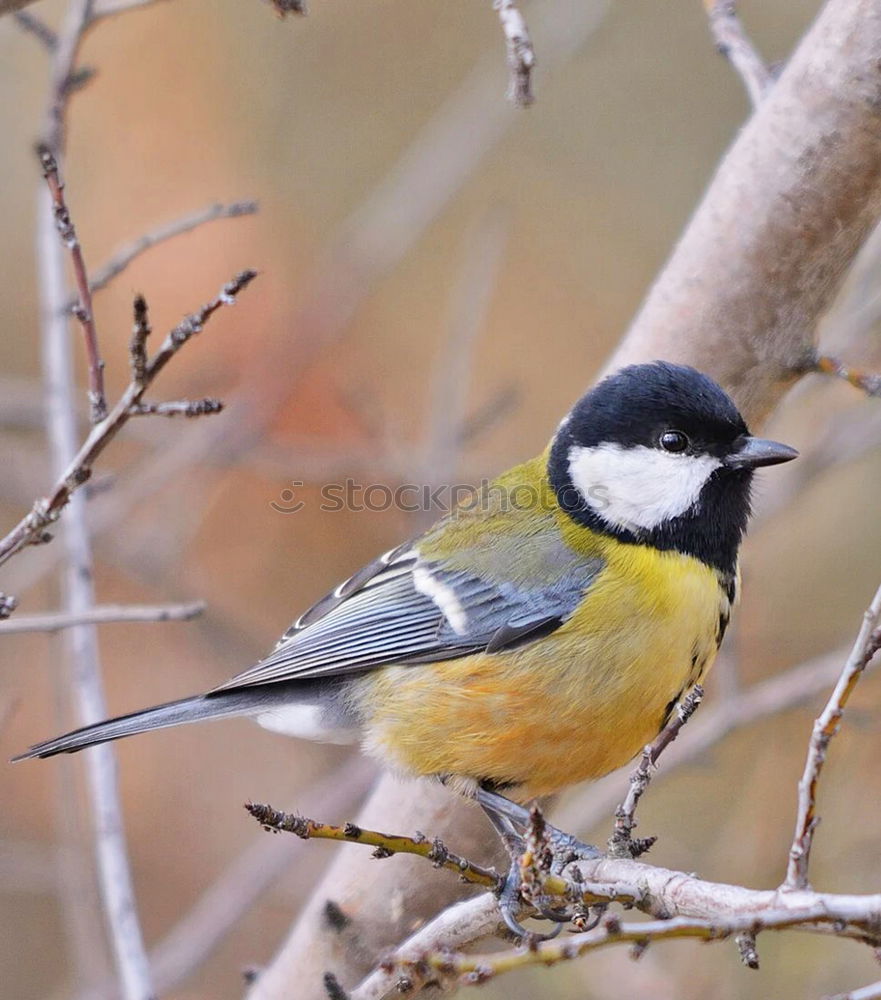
<point>306,723</point>
<point>443,596</point>
<point>638,487</point>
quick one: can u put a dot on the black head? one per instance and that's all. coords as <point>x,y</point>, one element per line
<point>658,454</point>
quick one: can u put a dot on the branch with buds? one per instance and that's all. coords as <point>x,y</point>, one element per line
<point>33,528</point>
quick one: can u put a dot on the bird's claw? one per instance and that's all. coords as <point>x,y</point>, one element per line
<point>511,822</point>
<point>509,904</point>
<point>567,849</point>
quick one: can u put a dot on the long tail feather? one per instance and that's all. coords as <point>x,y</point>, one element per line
<point>174,713</point>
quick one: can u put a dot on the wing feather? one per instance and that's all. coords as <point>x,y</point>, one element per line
<point>406,609</point>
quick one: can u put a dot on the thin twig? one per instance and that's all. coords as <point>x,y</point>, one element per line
<point>33,527</point>
<point>687,906</point>
<point>103,614</point>
<point>33,25</point>
<point>521,55</point>
<point>868,642</point>
<point>161,234</point>
<point>867,382</point>
<point>64,72</point>
<point>733,42</point>
<point>368,244</point>
<point>385,845</point>
<point>621,843</point>
<point>180,408</point>
<point>83,307</point>
<point>474,970</point>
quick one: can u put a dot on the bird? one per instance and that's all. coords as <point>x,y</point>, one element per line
<point>539,634</point>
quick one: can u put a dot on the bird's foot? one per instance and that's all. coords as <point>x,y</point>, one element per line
<point>510,906</point>
<point>567,849</point>
<point>535,847</point>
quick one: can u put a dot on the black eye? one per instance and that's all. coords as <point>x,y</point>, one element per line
<point>673,441</point>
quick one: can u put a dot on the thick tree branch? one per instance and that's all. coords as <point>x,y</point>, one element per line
<point>791,203</point>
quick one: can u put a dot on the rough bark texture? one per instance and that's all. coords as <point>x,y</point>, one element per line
<point>790,205</point>
<point>792,202</point>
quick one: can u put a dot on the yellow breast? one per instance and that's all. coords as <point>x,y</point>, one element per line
<point>573,705</point>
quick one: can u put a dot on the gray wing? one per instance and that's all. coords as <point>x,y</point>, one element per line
<point>404,608</point>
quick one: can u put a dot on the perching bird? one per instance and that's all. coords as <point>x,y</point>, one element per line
<point>543,633</point>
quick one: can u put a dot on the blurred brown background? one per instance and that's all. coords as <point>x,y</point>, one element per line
<point>582,196</point>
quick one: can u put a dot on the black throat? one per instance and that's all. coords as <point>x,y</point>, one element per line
<point>710,531</point>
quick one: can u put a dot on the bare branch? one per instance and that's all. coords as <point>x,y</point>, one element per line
<point>33,25</point>
<point>867,643</point>
<point>683,904</point>
<point>621,843</point>
<point>367,245</point>
<point>180,408</point>
<point>733,42</point>
<point>810,151</point>
<point>103,615</point>
<point>385,845</point>
<point>83,307</point>
<point>867,382</point>
<point>474,970</point>
<point>186,224</point>
<point>521,55</point>
<point>454,927</point>
<point>45,511</point>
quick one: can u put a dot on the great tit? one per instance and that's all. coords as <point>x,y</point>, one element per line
<point>540,634</point>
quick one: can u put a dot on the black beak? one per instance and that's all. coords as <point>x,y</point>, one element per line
<point>750,452</point>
